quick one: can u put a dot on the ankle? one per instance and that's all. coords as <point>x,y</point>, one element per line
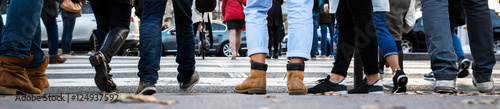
<point>370,79</point>
<point>336,77</point>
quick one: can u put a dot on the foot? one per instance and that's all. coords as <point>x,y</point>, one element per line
<point>275,56</point>
<point>103,78</point>
<point>255,83</point>
<point>430,77</point>
<point>365,88</point>
<point>194,80</point>
<point>399,81</point>
<point>233,57</point>
<point>145,89</point>
<point>445,86</point>
<point>463,66</point>
<point>325,85</point>
<point>484,87</point>
<point>57,60</point>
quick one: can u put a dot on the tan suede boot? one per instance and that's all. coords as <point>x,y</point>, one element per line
<point>255,83</point>
<point>295,77</point>
<point>13,77</point>
<point>37,75</point>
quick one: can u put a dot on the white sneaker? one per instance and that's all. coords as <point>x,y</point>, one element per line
<point>445,86</point>
<point>389,84</point>
<point>485,87</point>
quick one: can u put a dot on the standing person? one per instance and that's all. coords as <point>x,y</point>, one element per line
<point>232,11</point>
<point>69,20</point>
<point>331,7</point>
<point>49,20</point>
<point>440,45</point>
<point>274,23</point>
<point>388,46</point>
<point>299,45</point>
<point>356,34</point>
<point>457,18</point>
<point>316,10</point>
<point>150,47</point>
<point>326,24</point>
<point>23,63</point>
<point>113,20</point>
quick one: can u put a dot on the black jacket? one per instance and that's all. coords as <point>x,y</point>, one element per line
<point>274,15</point>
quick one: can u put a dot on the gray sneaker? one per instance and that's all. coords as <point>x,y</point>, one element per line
<point>145,89</point>
<point>485,87</point>
<point>194,79</point>
<point>445,86</point>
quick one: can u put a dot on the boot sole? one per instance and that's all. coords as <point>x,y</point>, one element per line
<point>251,91</point>
<point>297,92</point>
<point>100,79</point>
<point>8,91</point>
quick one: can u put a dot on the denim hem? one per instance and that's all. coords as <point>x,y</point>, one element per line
<point>390,53</point>
<point>148,82</point>
<point>256,50</point>
<point>298,53</point>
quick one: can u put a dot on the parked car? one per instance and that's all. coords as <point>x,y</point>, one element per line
<point>414,41</point>
<point>82,34</point>
<point>220,46</point>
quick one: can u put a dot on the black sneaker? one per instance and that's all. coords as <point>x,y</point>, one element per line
<point>400,80</point>
<point>324,85</point>
<point>364,88</point>
<point>463,65</point>
<point>187,86</point>
<point>430,77</point>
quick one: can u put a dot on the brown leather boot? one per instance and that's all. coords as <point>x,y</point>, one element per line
<point>255,83</point>
<point>295,77</point>
<point>13,77</point>
<point>57,60</point>
<point>37,75</point>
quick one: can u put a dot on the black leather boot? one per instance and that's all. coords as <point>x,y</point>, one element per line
<point>100,60</point>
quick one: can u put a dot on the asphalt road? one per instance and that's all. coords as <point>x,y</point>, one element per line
<point>220,74</point>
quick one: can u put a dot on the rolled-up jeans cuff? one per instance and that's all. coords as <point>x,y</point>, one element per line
<point>297,53</point>
<point>252,51</point>
<point>390,53</point>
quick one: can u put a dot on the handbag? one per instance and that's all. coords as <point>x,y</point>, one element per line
<point>69,6</point>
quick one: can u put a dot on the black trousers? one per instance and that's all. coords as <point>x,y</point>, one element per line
<point>356,34</point>
<point>274,37</point>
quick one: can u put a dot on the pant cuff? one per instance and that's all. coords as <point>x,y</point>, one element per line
<point>252,51</point>
<point>300,54</point>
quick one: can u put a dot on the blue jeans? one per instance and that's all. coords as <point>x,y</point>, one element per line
<point>21,36</point>
<point>456,41</point>
<point>69,20</point>
<point>440,47</point>
<point>314,49</point>
<point>151,44</point>
<point>386,42</point>
<point>324,38</point>
<point>300,39</point>
<point>52,34</point>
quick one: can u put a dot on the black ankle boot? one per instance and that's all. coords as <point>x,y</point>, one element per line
<point>103,78</point>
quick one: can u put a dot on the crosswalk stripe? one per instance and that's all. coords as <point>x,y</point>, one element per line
<point>87,82</point>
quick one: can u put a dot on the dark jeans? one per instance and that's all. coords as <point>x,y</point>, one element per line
<point>439,40</point>
<point>68,25</point>
<point>109,15</point>
<point>151,44</point>
<point>52,34</point>
<point>356,34</point>
<point>22,34</point>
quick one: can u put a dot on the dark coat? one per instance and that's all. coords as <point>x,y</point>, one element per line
<point>456,11</point>
<point>274,15</point>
